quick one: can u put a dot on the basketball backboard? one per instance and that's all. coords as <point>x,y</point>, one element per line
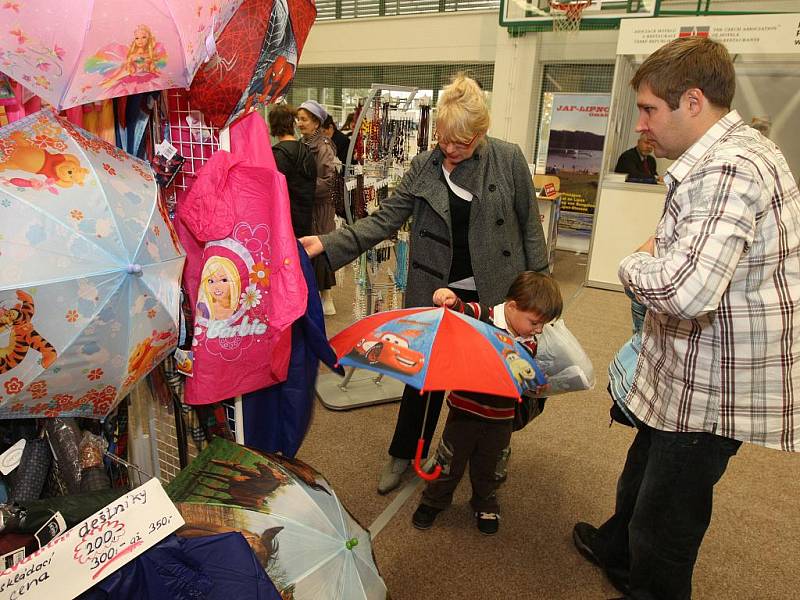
<point>535,14</point>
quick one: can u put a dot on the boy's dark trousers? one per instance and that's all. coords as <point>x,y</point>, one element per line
<point>479,442</point>
<point>412,411</point>
<point>663,508</point>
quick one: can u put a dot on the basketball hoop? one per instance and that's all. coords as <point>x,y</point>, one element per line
<point>567,15</point>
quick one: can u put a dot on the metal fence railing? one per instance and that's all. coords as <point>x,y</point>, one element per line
<point>350,9</point>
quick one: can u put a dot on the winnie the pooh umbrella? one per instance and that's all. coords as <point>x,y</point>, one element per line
<point>90,286</point>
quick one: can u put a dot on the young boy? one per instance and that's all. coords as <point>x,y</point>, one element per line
<point>478,428</point>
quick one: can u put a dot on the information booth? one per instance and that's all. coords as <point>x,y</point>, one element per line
<point>766,51</point>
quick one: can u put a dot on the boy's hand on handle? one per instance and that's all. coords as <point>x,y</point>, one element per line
<point>312,244</point>
<point>444,297</point>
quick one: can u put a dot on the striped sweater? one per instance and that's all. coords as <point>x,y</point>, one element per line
<point>487,406</point>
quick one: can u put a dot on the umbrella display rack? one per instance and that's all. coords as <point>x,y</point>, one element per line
<point>389,130</point>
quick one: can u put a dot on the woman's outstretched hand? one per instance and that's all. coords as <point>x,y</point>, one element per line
<point>312,245</point>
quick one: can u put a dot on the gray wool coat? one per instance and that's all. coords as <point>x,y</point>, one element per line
<point>505,232</point>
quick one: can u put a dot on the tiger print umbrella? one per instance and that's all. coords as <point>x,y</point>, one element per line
<point>90,271</point>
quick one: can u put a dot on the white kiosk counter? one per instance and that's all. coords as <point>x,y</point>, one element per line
<point>625,215</point>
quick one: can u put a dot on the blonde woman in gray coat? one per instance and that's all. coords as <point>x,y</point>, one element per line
<point>475,227</point>
<point>310,117</point>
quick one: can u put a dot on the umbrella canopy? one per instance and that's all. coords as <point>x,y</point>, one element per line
<point>217,567</point>
<point>308,543</point>
<point>90,264</point>
<point>257,56</point>
<point>86,50</point>
<point>439,349</point>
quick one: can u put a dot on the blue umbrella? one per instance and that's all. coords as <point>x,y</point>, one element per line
<point>215,567</point>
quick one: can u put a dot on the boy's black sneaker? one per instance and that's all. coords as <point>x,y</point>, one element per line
<point>488,522</point>
<point>424,516</point>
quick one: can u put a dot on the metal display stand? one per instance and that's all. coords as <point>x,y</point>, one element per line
<point>361,387</point>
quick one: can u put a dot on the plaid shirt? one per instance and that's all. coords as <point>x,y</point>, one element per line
<point>719,349</point>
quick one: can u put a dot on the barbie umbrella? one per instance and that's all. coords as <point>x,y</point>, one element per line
<point>90,271</point>
<point>438,349</point>
<point>307,542</point>
<point>70,53</point>
<point>256,58</point>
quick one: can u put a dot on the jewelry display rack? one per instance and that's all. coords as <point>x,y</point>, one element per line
<point>388,132</point>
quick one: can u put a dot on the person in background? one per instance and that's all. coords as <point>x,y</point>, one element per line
<point>638,162</point>
<point>721,285</point>
<point>310,117</point>
<point>295,161</point>
<point>340,140</point>
<point>475,228</point>
<point>349,124</point>
<point>478,428</point>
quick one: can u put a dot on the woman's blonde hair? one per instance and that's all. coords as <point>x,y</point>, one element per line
<point>220,263</point>
<point>461,112</point>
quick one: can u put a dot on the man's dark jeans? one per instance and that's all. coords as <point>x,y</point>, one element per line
<point>663,508</point>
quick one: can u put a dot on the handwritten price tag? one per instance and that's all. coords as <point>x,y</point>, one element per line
<point>80,557</point>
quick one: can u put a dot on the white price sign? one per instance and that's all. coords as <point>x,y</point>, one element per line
<point>80,557</point>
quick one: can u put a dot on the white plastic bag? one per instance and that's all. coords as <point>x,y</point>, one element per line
<point>563,360</point>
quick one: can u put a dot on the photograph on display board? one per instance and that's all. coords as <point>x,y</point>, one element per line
<point>574,155</point>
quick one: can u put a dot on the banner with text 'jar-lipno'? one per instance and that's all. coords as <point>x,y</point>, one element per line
<point>574,154</point>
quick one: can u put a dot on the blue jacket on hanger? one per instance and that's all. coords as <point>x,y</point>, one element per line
<point>276,418</point>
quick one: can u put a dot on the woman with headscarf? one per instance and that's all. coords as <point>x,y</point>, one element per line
<point>475,227</point>
<point>310,117</point>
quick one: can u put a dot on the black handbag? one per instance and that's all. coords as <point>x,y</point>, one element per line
<point>527,410</point>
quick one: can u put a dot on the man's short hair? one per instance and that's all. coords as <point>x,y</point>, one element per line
<point>685,63</point>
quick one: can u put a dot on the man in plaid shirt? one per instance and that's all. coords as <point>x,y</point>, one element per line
<point>721,284</point>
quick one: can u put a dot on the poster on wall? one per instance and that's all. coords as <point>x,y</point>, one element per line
<point>577,131</point>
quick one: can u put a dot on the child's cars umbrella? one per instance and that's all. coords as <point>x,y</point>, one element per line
<point>90,264</point>
<point>75,52</point>
<point>438,349</point>
<point>310,546</point>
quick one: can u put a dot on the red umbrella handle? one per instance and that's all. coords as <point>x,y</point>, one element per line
<point>418,464</point>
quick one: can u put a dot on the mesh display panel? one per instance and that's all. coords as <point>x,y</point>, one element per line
<point>351,9</point>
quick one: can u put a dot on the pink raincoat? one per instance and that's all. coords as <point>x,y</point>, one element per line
<point>242,273</point>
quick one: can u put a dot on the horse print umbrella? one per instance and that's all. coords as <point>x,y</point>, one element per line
<point>304,538</point>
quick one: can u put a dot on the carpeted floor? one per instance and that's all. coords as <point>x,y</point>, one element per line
<point>563,469</point>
